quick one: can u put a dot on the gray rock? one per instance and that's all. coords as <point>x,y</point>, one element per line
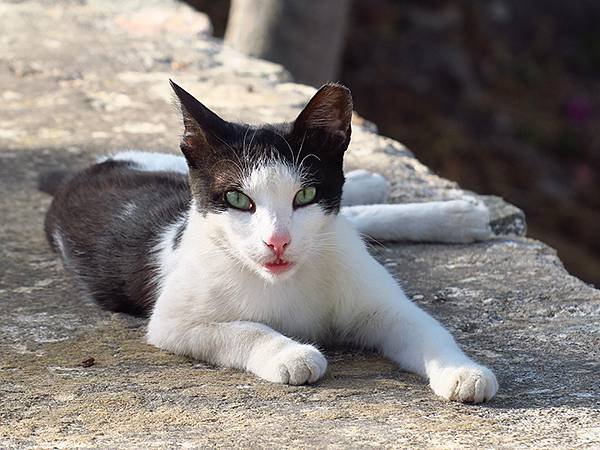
<point>83,78</point>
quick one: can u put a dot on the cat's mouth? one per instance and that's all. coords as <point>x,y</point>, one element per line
<point>278,266</point>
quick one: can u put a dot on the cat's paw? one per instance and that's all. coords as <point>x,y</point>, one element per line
<point>468,220</point>
<point>467,384</point>
<point>294,364</point>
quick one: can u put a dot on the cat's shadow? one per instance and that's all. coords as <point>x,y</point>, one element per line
<point>362,373</point>
<point>357,371</point>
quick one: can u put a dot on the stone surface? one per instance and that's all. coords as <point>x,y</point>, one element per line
<point>78,79</point>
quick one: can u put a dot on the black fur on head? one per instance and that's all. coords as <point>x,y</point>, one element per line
<point>219,153</point>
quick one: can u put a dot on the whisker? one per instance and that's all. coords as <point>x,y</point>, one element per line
<point>294,158</point>
<point>301,147</point>
<point>310,154</point>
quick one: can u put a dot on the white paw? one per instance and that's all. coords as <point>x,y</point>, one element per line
<point>294,364</point>
<point>467,384</point>
<point>468,220</point>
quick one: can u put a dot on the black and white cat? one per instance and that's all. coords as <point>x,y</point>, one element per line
<point>245,253</point>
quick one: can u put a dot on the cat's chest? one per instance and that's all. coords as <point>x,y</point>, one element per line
<point>301,309</point>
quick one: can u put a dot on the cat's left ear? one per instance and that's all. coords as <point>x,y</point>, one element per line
<point>327,117</point>
<point>204,131</point>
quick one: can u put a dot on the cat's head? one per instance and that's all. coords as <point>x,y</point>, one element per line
<point>270,193</point>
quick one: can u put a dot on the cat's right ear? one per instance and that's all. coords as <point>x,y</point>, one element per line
<point>328,117</point>
<point>203,129</point>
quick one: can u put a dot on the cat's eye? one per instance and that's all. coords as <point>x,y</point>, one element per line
<point>305,196</point>
<point>239,200</point>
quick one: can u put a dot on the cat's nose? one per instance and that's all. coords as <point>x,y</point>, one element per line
<point>278,243</point>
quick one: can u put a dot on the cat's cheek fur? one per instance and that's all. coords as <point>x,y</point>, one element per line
<point>234,231</point>
<point>311,233</point>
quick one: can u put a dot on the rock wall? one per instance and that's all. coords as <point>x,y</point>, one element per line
<point>80,79</point>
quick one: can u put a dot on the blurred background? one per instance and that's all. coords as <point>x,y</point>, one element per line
<point>501,96</point>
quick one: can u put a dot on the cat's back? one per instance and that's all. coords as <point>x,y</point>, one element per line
<point>106,221</point>
<point>114,194</point>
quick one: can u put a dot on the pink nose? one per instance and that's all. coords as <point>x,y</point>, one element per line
<point>278,243</point>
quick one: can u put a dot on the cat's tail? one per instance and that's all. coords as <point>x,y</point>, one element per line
<point>50,181</point>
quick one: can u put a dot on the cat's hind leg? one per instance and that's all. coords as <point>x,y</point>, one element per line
<point>462,220</point>
<point>150,161</point>
<point>364,188</point>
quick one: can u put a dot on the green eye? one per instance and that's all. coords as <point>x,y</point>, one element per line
<point>305,196</point>
<point>238,200</point>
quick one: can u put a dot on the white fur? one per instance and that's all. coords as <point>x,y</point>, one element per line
<point>218,304</point>
<point>454,221</point>
<point>57,236</point>
<point>164,250</point>
<point>364,188</point>
<point>150,161</point>
<point>128,210</point>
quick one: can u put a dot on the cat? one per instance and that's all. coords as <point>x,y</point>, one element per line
<point>248,252</point>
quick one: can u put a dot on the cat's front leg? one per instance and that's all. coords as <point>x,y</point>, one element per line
<point>418,343</point>
<point>375,313</point>
<point>243,345</point>
<point>431,351</point>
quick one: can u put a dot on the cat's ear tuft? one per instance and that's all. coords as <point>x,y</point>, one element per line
<point>329,111</point>
<point>203,129</point>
